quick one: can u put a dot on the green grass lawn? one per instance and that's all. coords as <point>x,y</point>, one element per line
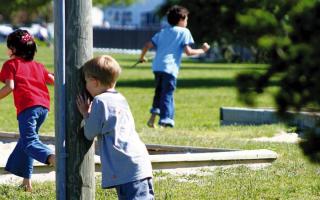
<point>202,89</point>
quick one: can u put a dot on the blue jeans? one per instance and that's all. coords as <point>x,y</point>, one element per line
<point>136,190</point>
<point>29,147</point>
<point>163,102</point>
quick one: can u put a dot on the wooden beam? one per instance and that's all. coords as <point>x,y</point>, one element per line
<point>189,160</point>
<point>172,157</point>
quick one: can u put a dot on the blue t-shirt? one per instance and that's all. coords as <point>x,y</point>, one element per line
<point>169,44</point>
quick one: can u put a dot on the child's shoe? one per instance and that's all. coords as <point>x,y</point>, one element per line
<point>164,125</point>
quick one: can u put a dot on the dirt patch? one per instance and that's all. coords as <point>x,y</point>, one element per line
<point>281,137</point>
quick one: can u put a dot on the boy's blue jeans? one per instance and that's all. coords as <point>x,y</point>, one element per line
<point>137,190</point>
<point>29,147</point>
<point>163,102</point>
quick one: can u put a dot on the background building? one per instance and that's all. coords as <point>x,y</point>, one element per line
<point>138,15</point>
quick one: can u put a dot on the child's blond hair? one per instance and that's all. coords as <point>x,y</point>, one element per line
<point>104,68</point>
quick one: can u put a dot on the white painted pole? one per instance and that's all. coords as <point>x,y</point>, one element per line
<point>60,98</point>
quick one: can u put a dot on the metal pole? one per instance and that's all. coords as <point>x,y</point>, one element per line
<point>60,99</point>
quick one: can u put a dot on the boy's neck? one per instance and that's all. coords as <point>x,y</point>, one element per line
<point>103,89</point>
<point>183,22</point>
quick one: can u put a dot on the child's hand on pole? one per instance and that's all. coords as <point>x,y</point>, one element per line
<point>84,105</point>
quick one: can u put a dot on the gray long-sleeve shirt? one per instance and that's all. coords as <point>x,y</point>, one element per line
<point>124,157</point>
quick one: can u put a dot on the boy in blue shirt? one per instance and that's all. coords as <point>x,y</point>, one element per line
<point>124,157</point>
<point>169,43</point>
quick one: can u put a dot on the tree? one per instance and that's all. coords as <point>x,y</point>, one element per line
<point>12,10</point>
<point>287,32</point>
<point>295,60</point>
<point>233,22</point>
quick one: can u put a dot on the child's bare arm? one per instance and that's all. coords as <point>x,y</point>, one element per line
<point>145,49</point>
<point>7,88</point>
<point>191,52</point>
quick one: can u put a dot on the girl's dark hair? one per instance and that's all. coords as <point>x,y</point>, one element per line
<point>22,44</point>
<point>176,13</point>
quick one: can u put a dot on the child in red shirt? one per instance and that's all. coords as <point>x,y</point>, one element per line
<point>27,80</point>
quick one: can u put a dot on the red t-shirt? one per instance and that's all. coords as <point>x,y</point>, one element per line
<point>30,79</point>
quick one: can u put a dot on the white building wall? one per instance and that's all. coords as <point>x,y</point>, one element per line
<point>97,16</point>
<point>115,14</point>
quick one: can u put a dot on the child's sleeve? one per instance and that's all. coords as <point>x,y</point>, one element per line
<point>93,124</point>
<point>155,39</point>
<point>7,72</point>
<point>47,76</point>
<point>187,38</point>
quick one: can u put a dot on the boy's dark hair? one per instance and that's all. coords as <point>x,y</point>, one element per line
<point>22,44</point>
<point>176,13</point>
<point>104,68</point>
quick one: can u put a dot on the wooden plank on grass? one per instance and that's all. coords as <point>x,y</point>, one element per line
<point>172,157</point>
<point>189,160</point>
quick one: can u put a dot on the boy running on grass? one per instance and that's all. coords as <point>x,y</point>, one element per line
<point>124,157</point>
<point>169,43</point>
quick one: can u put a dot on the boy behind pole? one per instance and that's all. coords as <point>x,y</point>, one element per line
<point>124,157</point>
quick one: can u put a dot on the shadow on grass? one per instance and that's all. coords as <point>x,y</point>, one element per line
<point>182,83</point>
<point>130,59</point>
<point>216,68</point>
<point>186,83</point>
